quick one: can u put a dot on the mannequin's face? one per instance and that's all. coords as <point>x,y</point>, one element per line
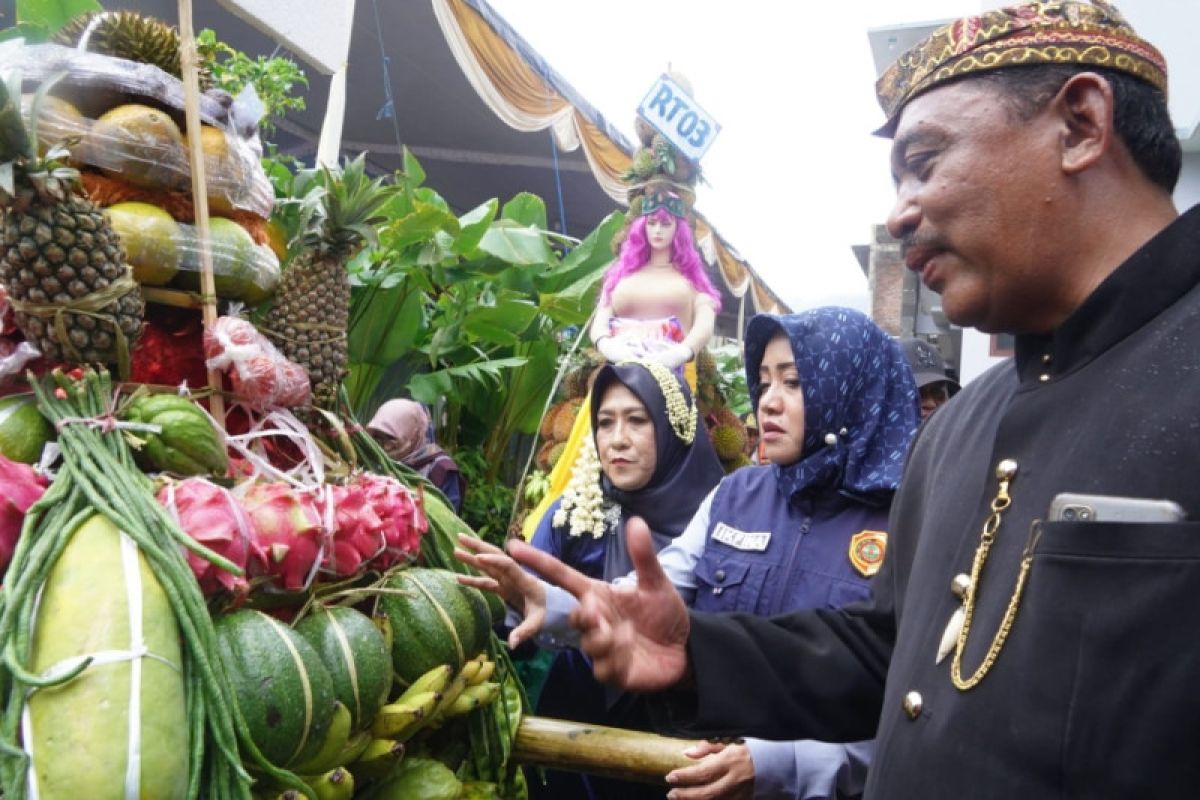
<point>780,404</point>
<point>660,232</point>
<point>625,439</point>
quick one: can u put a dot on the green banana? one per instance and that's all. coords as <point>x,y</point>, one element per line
<point>354,748</point>
<point>337,735</point>
<point>396,719</point>
<point>434,680</point>
<point>336,784</point>
<point>377,760</point>
<point>473,697</point>
<point>471,668</point>
<point>484,673</point>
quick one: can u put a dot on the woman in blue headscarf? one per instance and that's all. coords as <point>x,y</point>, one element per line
<point>836,407</point>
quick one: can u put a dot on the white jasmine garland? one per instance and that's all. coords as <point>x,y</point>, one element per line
<point>583,503</point>
<point>681,416</point>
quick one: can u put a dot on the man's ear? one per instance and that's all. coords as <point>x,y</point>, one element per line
<point>1085,103</point>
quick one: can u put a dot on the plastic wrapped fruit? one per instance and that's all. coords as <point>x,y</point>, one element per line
<point>151,238</point>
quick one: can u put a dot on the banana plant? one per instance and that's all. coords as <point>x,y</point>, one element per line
<point>465,312</point>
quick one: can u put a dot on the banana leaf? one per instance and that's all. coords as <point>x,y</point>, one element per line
<point>526,209</point>
<point>51,15</point>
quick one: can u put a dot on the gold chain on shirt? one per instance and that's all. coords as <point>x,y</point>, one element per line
<point>1005,471</point>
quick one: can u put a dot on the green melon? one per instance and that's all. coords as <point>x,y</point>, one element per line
<point>282,688</point>
<point>354,652</point>
<point>23,429</point>
<point>434,621</point>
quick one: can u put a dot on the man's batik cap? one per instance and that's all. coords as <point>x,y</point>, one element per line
<point>1055,32</point>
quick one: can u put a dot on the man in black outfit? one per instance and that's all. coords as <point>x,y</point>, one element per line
<point>1004,654</point>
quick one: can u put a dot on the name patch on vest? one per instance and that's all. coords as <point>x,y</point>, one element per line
<point>741,540</point>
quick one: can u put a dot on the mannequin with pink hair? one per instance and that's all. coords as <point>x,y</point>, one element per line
<point>656,301</point>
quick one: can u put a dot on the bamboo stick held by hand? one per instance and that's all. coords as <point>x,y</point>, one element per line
<point>597,750</point>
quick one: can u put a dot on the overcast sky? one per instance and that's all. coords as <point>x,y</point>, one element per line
<point>796,178</point>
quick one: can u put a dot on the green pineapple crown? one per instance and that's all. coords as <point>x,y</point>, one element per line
<point>348,209</point>
<point>19,145</point>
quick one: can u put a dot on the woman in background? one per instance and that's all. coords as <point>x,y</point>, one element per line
<point>402,428</point>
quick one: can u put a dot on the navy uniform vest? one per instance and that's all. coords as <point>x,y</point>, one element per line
<point>765,556</point>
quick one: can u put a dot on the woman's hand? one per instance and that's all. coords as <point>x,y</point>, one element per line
<point>637,635</point>
<point>725,771</point>
<point>520,590</point>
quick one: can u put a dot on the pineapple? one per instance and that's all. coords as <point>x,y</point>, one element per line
<point>60,260</point>
<point>312,306</point>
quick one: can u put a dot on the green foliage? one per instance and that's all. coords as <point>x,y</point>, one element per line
<point>39,19</point>
<point>462,312</point>
<point>277,80</point>
<point>488,501</point>
<point>731,372</point>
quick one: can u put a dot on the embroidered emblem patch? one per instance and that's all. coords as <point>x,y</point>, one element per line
<point>867,549</point>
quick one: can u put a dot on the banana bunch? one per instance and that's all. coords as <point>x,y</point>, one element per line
<point>435,696</point>
<point>187,443</point>
<point>336,784</point>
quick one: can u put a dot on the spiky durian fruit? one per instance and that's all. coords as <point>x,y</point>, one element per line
<point>129,35</point>
<point>564,418</point>
<point>732,464</point>
<point>312,306</point>
<point>60,260</point>
<point>728,440</point>
<point>706,366</point>
<point>576,383</point>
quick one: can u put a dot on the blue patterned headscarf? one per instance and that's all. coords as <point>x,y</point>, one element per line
<point>857,386</point>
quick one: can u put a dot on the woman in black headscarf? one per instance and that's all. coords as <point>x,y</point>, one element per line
<point>836,407</point>
<point>651,459</point>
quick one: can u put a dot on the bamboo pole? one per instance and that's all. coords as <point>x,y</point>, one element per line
<point>191,92</point>
<point>597,750</point>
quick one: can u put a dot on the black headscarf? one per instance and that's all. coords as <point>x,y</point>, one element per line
<point>860,401</point>
<point>683,474</point>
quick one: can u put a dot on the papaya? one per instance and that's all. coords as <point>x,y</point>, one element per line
<point>102,597</point>
<point>434,621</point>
<point>352,648</point>
<point>282,688</point>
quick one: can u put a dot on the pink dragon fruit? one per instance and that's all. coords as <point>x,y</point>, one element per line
<point>20,487</point>
<point>212,516</point>
<point>358,531</point>
<point>403,520</point>
<point>288,531</point>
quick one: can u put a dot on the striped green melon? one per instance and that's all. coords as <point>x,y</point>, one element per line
<point>434,621</point>
<point>354,652</point>
<point>80,733</point>
<point>282,688</point>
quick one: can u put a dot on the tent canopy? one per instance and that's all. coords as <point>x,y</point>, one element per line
<point>482,112</point>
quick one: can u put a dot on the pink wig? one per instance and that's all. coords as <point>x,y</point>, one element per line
<point>635,252</point>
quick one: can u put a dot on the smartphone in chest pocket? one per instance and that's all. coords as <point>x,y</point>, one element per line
<point>1073,507</point>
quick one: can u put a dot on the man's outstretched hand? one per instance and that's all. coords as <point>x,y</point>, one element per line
<point>637,635</point>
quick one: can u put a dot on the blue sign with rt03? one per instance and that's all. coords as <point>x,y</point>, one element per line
<point>676,116</point>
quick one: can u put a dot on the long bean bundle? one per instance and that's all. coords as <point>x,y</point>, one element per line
<point>98,475</point>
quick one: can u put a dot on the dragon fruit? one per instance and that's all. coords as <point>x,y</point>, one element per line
<point>357,534</point>
<point>404,521</point>
<point>20,487</point>
<point>287,530</point>
<point>212,516</point>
